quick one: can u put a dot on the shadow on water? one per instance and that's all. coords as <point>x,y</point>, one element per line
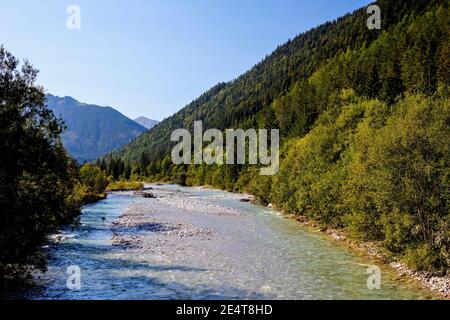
<point>124,279</point>
<point>146,226</point>
<point>105,275</point>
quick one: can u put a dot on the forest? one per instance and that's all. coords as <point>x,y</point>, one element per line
<point>364,118</point>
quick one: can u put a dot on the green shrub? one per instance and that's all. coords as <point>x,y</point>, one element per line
<point>124,186</point>
<point>423,257</point>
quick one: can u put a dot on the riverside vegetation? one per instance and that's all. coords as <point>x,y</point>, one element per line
<point>41,187</point>
<point>364,118</point>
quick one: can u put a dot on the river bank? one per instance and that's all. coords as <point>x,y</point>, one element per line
<point>196,243</point>
<point>439,285</point>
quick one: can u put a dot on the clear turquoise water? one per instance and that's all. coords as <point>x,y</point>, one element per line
<point>256,255</point>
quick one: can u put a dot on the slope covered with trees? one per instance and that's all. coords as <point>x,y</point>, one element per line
<point>239,102</point>
<point>364,118</point>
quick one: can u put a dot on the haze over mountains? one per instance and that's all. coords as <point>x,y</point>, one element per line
<point>146,122</point>
<point>92,130</point>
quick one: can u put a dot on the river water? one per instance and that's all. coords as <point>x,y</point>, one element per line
<point>192,243</point>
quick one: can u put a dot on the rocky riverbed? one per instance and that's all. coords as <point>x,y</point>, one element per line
<point>169,224</point>
<point>195,243</point>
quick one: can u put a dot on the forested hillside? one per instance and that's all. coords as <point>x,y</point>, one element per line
<point>365,122</point>
<point>238,103</point>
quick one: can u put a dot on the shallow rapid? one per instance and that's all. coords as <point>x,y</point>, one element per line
<point>193,243</point>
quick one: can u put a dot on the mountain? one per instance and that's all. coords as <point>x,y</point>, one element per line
<point>146,122</point>
<point>92,130</point>
<point>243,101</point>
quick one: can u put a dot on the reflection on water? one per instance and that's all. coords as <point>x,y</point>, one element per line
<point>255,254</point>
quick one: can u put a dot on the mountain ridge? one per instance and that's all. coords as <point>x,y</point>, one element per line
<point>237,103</point>
<point>92,130</point>
<point>146,122</point>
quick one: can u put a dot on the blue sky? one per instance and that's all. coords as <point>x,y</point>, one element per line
<point>151,58</point>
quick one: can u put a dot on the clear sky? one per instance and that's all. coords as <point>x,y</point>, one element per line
<point>151,58</point>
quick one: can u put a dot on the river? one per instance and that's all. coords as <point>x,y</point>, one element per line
<point>194,243</point>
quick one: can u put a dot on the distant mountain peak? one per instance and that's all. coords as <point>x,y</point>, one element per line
<point>146,122</point>
<point>52,99</point>
<point>92,130</point>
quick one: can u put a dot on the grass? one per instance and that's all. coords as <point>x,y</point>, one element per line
<point>124,185</point>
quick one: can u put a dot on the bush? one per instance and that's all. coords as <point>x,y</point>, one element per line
<point>423,257</point>
<point>124,186</point>
<point>399,175</point>
<point>92,184</point>
<point>380,172</point>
